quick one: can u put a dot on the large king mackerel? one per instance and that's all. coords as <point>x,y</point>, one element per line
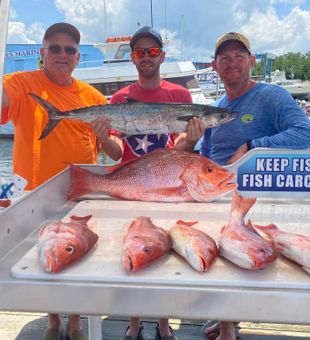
<point>134,118</point>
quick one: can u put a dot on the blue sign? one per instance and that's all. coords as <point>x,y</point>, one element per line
<point>275,172</point>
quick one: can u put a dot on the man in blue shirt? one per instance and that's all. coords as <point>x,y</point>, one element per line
<point>268,117</point>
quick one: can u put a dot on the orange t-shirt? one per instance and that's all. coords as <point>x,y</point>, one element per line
<point>71,141</point>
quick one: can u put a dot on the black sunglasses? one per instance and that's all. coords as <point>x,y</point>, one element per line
<point>56,49</point>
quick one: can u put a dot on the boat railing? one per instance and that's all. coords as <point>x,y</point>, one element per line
<point>171,58</point>
<point>90,63</point>
<point>100,62</point>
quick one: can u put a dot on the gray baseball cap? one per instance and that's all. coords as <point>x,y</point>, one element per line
<point>149,32</point>
<point>63,27</point>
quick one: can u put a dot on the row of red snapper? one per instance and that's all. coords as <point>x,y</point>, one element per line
<point>61,244</point>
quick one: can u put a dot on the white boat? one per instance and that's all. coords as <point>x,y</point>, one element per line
<point>213,87</point>
<point>210,83</point>
<point>297,88</point>
<point>118,71</point>
<point>7,130</point>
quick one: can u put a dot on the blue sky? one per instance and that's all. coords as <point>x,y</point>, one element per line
<point>191,27</point>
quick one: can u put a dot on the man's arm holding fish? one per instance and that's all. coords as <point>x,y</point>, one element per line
<point>194,131</point>
<point>109,144</point>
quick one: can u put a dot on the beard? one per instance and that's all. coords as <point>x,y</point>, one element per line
<point>148,69</point>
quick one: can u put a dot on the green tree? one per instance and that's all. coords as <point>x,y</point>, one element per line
<point>257,70</point>
<point>295,65</point>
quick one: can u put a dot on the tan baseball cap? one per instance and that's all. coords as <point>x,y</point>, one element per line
<point>230,37</point>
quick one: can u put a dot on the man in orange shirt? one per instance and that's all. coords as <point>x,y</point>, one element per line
<point>72,141</point>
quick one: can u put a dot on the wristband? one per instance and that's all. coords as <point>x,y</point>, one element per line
<point>249,145</point>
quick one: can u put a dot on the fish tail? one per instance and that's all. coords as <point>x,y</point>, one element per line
<point>240,204</point>
<point>52,112</point>
<point>82,182</point>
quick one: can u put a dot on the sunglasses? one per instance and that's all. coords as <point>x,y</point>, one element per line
<point>152,52</point>
<point>56,49</point>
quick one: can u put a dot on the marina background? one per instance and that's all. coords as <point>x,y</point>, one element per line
<point>6,145</point>
<point>244,19</point>
<point>275,26</point>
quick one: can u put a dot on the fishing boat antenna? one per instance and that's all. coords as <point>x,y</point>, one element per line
<point>182,32</point>
<point>151,13</point>
<point>105,20</point>
<point>166,34</point>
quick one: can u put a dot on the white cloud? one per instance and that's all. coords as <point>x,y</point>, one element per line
<point>36,31</point>
<point>291,2</point>
<point>89,16</point>
<point>17,33</point>
<point>269,33</point>
<point>192,27</point>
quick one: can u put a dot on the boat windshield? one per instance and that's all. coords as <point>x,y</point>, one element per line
<point>123,52</point>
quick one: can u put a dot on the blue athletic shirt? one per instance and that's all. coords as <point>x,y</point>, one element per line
<point>268,117</point>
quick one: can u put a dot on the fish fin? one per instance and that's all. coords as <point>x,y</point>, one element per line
<point>52,112</point>
<point>188,224</point>
<point>81,219</point>
<point>167,191</point>
<point>250,226</point>
<point>186,118</point>
<point>223,228</point>
<point>267,229</point>
<point>268,232</point>
<point>112,168</point>
<point>82,182</point>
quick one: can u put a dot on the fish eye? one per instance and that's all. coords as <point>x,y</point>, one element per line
<point>70,249</point>
<point>209,169</point>
<point>223,116</point>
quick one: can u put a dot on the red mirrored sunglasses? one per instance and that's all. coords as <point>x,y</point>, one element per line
<point>152,52</point>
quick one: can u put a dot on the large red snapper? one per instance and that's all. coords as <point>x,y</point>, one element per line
<point>143,244</point>
<point>163,175</point>
<point>296,247</point>
<point>194,245</point>
<point>62,243</point>
<point>240,243</point>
